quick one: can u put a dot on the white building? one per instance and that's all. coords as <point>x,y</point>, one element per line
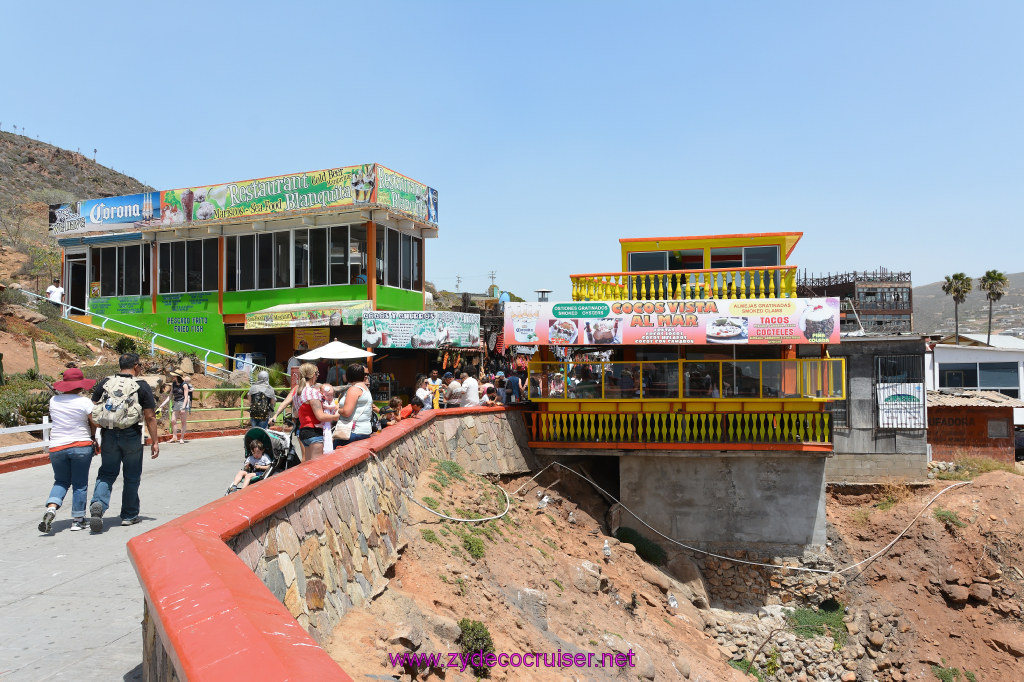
<point>974,364</point>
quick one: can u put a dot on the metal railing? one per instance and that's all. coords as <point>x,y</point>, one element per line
<point>729,283</point>
<point>802,379</point>
<point>613,429</point>
<point>24,447</point>
<point>142,331</point>
<point>243,411</point>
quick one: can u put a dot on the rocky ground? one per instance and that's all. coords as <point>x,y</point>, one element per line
<point>945,600</point>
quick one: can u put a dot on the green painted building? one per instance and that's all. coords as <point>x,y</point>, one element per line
<point>257,266</point>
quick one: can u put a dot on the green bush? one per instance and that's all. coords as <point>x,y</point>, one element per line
<point>811,623</point>
<point>126,344</point>
<point>950,518</point>
<point>452,469</point>
<point>229,396</point>
<point>475,546</point>
<point>278,377</point>
<point>476,637</point>
<point>431,536</point>
<point>749,668</point>
<point>648,550</point>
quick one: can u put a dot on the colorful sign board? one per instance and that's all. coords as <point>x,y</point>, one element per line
<point>707,321</point>
<point>901,406</point>
<point>307,315</point>
<point>308,338</point>
<point>368,184</point>
<point>432,329</point>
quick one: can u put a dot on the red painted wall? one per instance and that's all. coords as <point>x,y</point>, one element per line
<point>956,432</point>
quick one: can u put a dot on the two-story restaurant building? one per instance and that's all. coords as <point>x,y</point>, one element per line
<point>684,365</point>
<point>250,266</point>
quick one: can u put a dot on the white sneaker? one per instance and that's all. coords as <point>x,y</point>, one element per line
<point>78,524</point>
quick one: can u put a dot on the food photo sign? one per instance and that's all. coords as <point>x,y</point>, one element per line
<point>705,321</point>
<point>414,329</point>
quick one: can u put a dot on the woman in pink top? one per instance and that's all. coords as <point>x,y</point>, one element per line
<point>72,437</point>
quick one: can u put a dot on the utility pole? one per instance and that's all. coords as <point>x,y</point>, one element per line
<point>492,275</point>
<point>458,281</point>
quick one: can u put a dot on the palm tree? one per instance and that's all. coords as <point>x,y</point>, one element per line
<point>958,286</point>
<point>994,284</point>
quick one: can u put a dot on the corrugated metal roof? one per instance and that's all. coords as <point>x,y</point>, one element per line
<point>1004,341</point>
<point>967,398</point>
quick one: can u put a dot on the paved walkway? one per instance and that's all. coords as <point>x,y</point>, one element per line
<point>70,603</point>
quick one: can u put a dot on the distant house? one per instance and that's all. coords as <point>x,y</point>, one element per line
<point>975,365</point>
<point>971,423</point>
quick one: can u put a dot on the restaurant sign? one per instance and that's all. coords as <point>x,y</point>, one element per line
<point>306,315</point>
<point>705,321</point>
<point>388,329</point>
<point>349,186</point>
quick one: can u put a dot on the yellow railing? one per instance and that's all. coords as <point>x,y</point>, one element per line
<point>803,379</point>
<point>680,428</point>
<point>763,282</point>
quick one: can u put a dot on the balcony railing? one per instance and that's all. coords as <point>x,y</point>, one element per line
<point>619,429</point>
<point>763,282</point>
<point>804,379</point>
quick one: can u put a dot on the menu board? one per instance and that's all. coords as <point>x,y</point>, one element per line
<point>390,329</point>
<point>704,321</point>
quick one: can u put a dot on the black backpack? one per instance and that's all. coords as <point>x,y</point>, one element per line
<point>259,406</point>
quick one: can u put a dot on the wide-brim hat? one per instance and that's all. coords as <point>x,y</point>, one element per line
<point>73,380</point>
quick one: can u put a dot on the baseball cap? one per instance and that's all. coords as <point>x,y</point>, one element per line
<point>500,374</point>
<point>448,375</point>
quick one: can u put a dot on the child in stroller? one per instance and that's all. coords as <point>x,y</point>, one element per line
<point>266,453</point>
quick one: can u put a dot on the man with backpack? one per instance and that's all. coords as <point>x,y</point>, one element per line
<point>262,399</point>
<point>122,403</point>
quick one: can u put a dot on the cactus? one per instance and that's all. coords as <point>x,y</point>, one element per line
<point>34,408</point>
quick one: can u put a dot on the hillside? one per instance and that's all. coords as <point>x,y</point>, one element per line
<point>933,310</point>
<point>34,174</point>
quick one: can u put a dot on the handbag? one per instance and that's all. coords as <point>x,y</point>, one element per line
<point>343,429</point>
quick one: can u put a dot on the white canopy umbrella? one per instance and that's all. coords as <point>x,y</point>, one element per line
<point>335,350</point>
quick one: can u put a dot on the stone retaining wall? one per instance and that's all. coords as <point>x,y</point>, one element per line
<point>321,538</point>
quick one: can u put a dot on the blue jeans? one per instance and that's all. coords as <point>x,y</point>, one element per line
<point>120,447</point>
<point>71,470</point>
<point>352,439</point>
<point>260,423</point>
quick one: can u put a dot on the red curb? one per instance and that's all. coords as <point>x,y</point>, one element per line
<point>18,463</point>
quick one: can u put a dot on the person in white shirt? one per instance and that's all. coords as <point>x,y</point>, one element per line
<point>453,391</point>
<point>434,386</point>
<point>55,293</point>
<point>470,391</point>
<point>423,393</point>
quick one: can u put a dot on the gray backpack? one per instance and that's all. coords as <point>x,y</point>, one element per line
<point>120,408</point>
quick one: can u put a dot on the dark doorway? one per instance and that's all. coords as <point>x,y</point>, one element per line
<point>77,283</point>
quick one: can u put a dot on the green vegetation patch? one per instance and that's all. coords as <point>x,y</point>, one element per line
<point>475,546</point>
<point>950,518</point>
<point>476,637</point>
<point>431,502</point>
<point>749,668</point>
<point>451,469</point>
<point>431,536</point>
<point>811,623</point>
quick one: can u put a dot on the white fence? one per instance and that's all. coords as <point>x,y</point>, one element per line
<point>44,427</point>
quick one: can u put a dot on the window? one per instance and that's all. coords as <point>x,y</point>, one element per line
<point>691,259</point>
<point>231,264</point>
<point>394,260</point>
<point>264,261</point>
<point>998,428</point>
<point>188,266</point>
<point>282,259</point>
<point>406,261</point>
<point>382,254</point>
<point>988,376</point>
<point>417,264</point>
<point>122,270</point>
<point>339,255</point>
<point>301,258</point>
<point>246,262</point>
<point>897,369</point>
<point>318,256</point>
<point>644,261</point>
<point>357,254</point>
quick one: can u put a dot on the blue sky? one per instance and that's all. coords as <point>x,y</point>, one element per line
<point>888,133</point>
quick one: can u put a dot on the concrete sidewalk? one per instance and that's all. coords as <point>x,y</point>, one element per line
<point>70,603</point>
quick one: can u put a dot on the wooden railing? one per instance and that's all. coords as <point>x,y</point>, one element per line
<point>762,282</point>
<point>615,428</point>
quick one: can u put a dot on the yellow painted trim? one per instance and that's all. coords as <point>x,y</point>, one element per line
<point>786,243</point>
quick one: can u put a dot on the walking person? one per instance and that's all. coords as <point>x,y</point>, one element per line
<point>123,402</point>
<point>261,401</point>
<point>72,439</point>
<point>55,294</point>
<point>311,413</point>
<point>181,404</point>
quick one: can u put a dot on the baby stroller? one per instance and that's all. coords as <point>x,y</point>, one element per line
<point>278,446</point>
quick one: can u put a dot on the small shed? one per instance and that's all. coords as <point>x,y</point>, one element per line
<point>967,423</point>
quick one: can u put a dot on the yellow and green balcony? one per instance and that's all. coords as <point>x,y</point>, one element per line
<point>729,283</point>
<point>686,404</point>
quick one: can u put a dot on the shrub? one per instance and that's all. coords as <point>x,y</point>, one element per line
<point>648,550</point>
<point>278,377</point>
<point>475,546</point>
<point>950,518</point>
<point>431,502</point>
<point>126,344</point>
<point>893,494</point>
<point>229,396</point>
<point>452,469</point>
<point>475,637</point>
<point>431,536</point>
<point>749,668</point>
<point>826,619</point>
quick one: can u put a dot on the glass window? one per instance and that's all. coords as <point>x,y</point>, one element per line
<point>339,254</point>
<point>659,379</point>
<point>726,258</point>
<point>146,270</point>
<point>383,263</point>
<point>194,258</point>
<point>178,272</point>
<point>691,259</point>
<point>131,270</point>
<point>210,252</point>
<point>997,374</point>
<point>760,256</point>
<point>417,264</point>
<point>264,261</point>
<point>779,379</point>
<point>622,380</point>
<point>108,271</point>
<point>231,264</point>
<point>394,259</point>
<point>701,379</point>
<point>547,380</point>
<point>584,380</point>
<point>740,380</point>
<point>896,369</point>
<point>318,257</point>
<point>357,254</point>
<point>958,375</point>
<point>164,268</point>
<point>301,258</point>
<point>282,264</point>
<point>247,262</point>
<point>642,261</point>
<point>406,261</point>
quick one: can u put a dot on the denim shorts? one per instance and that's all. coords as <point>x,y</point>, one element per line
<point>310,435</point>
